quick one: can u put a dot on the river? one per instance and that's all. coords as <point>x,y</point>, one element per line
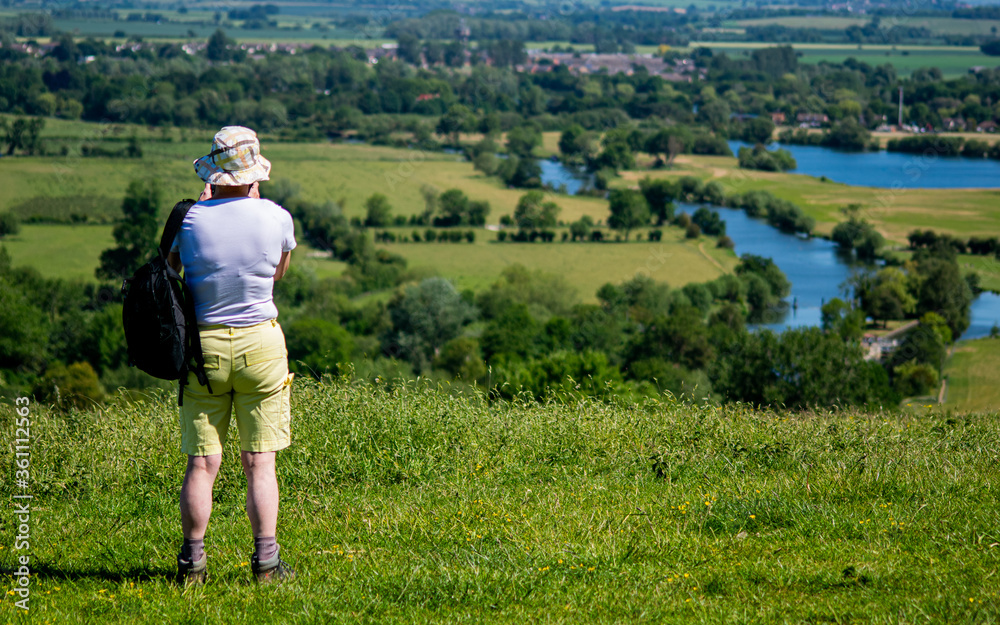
<point>814,266</point>
<point>891,170</point>
<point>817,271</point>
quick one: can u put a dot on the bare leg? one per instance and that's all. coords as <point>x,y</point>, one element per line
<point>196,494</point>
<point>262,492</point>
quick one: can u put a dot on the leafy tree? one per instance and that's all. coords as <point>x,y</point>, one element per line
<point>24,134</point>
<point>848,134</point>
<point>839,317</point>
<point>533,212</point>
<point>669,142</point>
<point>523,173</point>
<point>431,194</point>
<point>889,297</point>
<point>317,346</point>
<point>522,140</point>
<point>763,159</point>
<point>660,195</point>
<point>629,210</point>
<point>135,234</point>
<point>757,130</point>
<point>513,334</point>
<point>617,153</point>
<point>587,373</point>
<point>424,317</point>
<point>945,292</point>
<point>544,293</point>
<point>454,205</point>
<point>859,236</point>
<point>574,142</point>
<point>914,378</point>
<point>457,120</point>
<point>800,367</point>
<point>714,113</point>
<point>220,47</point>
<point>581,228</point>
<point>408,48</point>
<point>23,328</point>
<point>681,337</point>
<point>478,211</point>
<point>9,224</point>
<point>709,221</point>
<point>378,211</point>
<point>76,386</point>
<point>461,358</point>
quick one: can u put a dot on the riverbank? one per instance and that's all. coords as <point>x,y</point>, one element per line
<point>894,212</point>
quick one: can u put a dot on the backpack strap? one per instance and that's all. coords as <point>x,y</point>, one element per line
<point>193,347</point>
<point>173,226</point>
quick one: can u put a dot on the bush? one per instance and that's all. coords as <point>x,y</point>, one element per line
<point>9,224</point>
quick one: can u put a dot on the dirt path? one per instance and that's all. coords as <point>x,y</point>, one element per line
<point>710,259</point>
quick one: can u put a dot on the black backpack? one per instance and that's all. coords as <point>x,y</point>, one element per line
<point>158,315</point>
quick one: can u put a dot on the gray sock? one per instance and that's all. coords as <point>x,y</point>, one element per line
<point>265,547</point>
<point>193,550</point>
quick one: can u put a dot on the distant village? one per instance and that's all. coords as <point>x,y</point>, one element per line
<point>577,63</point>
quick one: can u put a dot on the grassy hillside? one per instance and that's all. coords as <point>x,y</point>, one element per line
<point>972,376</point>
<point>411,505</point>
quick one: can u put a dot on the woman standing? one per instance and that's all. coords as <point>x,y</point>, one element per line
<point>233,245</point>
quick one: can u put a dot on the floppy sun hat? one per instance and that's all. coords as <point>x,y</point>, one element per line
<point>235,159</point>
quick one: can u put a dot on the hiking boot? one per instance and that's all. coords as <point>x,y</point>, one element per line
<point>192,573</point>
<point>272,571</point>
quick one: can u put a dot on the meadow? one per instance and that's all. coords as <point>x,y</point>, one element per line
<point>937,25</point>
<point>951,60</point>
<point>585,266</point>
<point>347,173</point>
<point>971,372</point>
<point>413,504</point>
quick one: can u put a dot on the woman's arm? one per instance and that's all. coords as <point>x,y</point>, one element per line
<point>286,259</point>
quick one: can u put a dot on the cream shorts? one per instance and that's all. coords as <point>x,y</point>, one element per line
<point>247,369</point>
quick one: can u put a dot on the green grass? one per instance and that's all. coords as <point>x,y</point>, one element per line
<point>951,60</point>
<point>585,266</point>
<point>937,25</point>
<point>988,268</point>
<point>972,376</point>
<point>58,251</point>
<point>349,172</point>
<point>415,506</point>
<point>820,22</point>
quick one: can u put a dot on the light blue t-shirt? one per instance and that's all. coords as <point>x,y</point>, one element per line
<point>230,249</point>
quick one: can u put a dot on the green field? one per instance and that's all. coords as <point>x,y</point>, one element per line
<point>937,25</point>
<point>411,505</point>
<point>347,174</point>
<point>820,22</point>
<point>972,376</point>
<point>951,60</point>
<point>585,266</point>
